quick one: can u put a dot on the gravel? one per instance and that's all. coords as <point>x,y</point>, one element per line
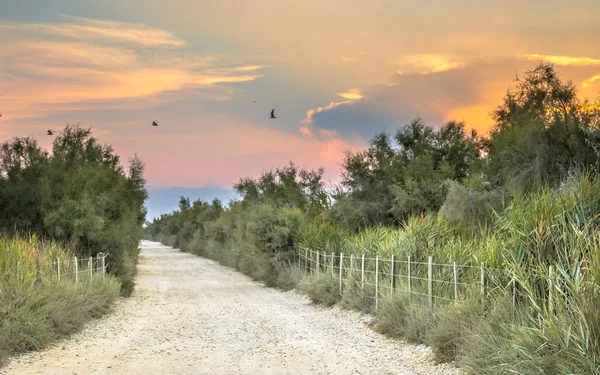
<point>190,315</point>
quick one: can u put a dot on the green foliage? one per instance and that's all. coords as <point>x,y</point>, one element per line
<point>79,195</point>
<point>541,133</point>
<point>401,317</point>
<point>387,185</point>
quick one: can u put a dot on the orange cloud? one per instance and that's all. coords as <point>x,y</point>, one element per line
<point>588,82</point>
<point>38,72</point>
<point>563,60</point>
<point>99,30</point>
<point>352,94</point>
<point>429,63</point>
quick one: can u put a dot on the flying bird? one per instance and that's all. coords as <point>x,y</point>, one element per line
<point>154,123</point>
<point>273,113</point>
<point>50,132</point>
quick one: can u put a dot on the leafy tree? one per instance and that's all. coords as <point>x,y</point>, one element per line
<point>386,183</point>
<point>541,133</point>
<point>80,195</point>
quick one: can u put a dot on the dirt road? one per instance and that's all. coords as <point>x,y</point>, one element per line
<point>190,315</point>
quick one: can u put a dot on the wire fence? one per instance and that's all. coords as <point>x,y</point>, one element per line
<point>434,282</point>
<point>62,269</point>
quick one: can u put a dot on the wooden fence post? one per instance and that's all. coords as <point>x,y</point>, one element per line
<point>362,273</point>
<point>317,266</point>
<point>393,275</point>
<point>76,271</point>
<point>341,268</point>
<point>455,282</point>
<point>376,281</point>
<point>430,280</point>
<point>90,264</point>
<point>38,270</point>
<point>58,267</point>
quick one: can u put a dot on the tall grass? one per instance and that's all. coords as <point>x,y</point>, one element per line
<point>35,308</point>
<point>531,321</point>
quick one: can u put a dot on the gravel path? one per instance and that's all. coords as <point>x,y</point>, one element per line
<point>190,315</point>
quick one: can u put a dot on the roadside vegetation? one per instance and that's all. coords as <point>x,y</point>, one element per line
<point>76,201</point>
<point>520,200</point>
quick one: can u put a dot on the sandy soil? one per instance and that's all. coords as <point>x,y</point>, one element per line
<point>190,315</point>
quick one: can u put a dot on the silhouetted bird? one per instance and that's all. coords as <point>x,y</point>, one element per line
<point>273,113</point>
<point>154,123</point>
<point>50,132</point>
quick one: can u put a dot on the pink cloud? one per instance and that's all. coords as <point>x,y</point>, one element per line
<point>223,154</point>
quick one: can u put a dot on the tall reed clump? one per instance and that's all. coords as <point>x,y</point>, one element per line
<point>35,308</point>
<point>542,268</point>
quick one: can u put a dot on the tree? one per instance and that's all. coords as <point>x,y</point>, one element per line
<point>386,183</point>
<point>540,132</point>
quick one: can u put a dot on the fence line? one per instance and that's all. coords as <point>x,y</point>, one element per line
<point>430,280</point>
<point>58,270</point>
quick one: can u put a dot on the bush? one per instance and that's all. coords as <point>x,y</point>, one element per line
<point>290,277</point>
<point>323,289</point>
<point>404,316</point>
<point>451,322</point>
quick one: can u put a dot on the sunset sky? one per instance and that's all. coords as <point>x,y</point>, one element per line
<point>336,72</point>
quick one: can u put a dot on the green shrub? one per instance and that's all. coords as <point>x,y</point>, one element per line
<point>404,316</point>
<point>323,289</point>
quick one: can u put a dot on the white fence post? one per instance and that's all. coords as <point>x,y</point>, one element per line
<point>430,280</point>
<point>306,264</point>
<point>90,266</point>
<point>362,273</point>
<point>101,257</point>
<point>455,282</point>
<point>482,282</point>
<point>393,276</point>
<point>409,276</point>
<point>317,266</point>
<point>332,264</point>
<point>58,268</point>
<point>551,288</point>
<point>376,281</point>
<point>76,271</point>
<point>341,268</point>
<point>514,292</point>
